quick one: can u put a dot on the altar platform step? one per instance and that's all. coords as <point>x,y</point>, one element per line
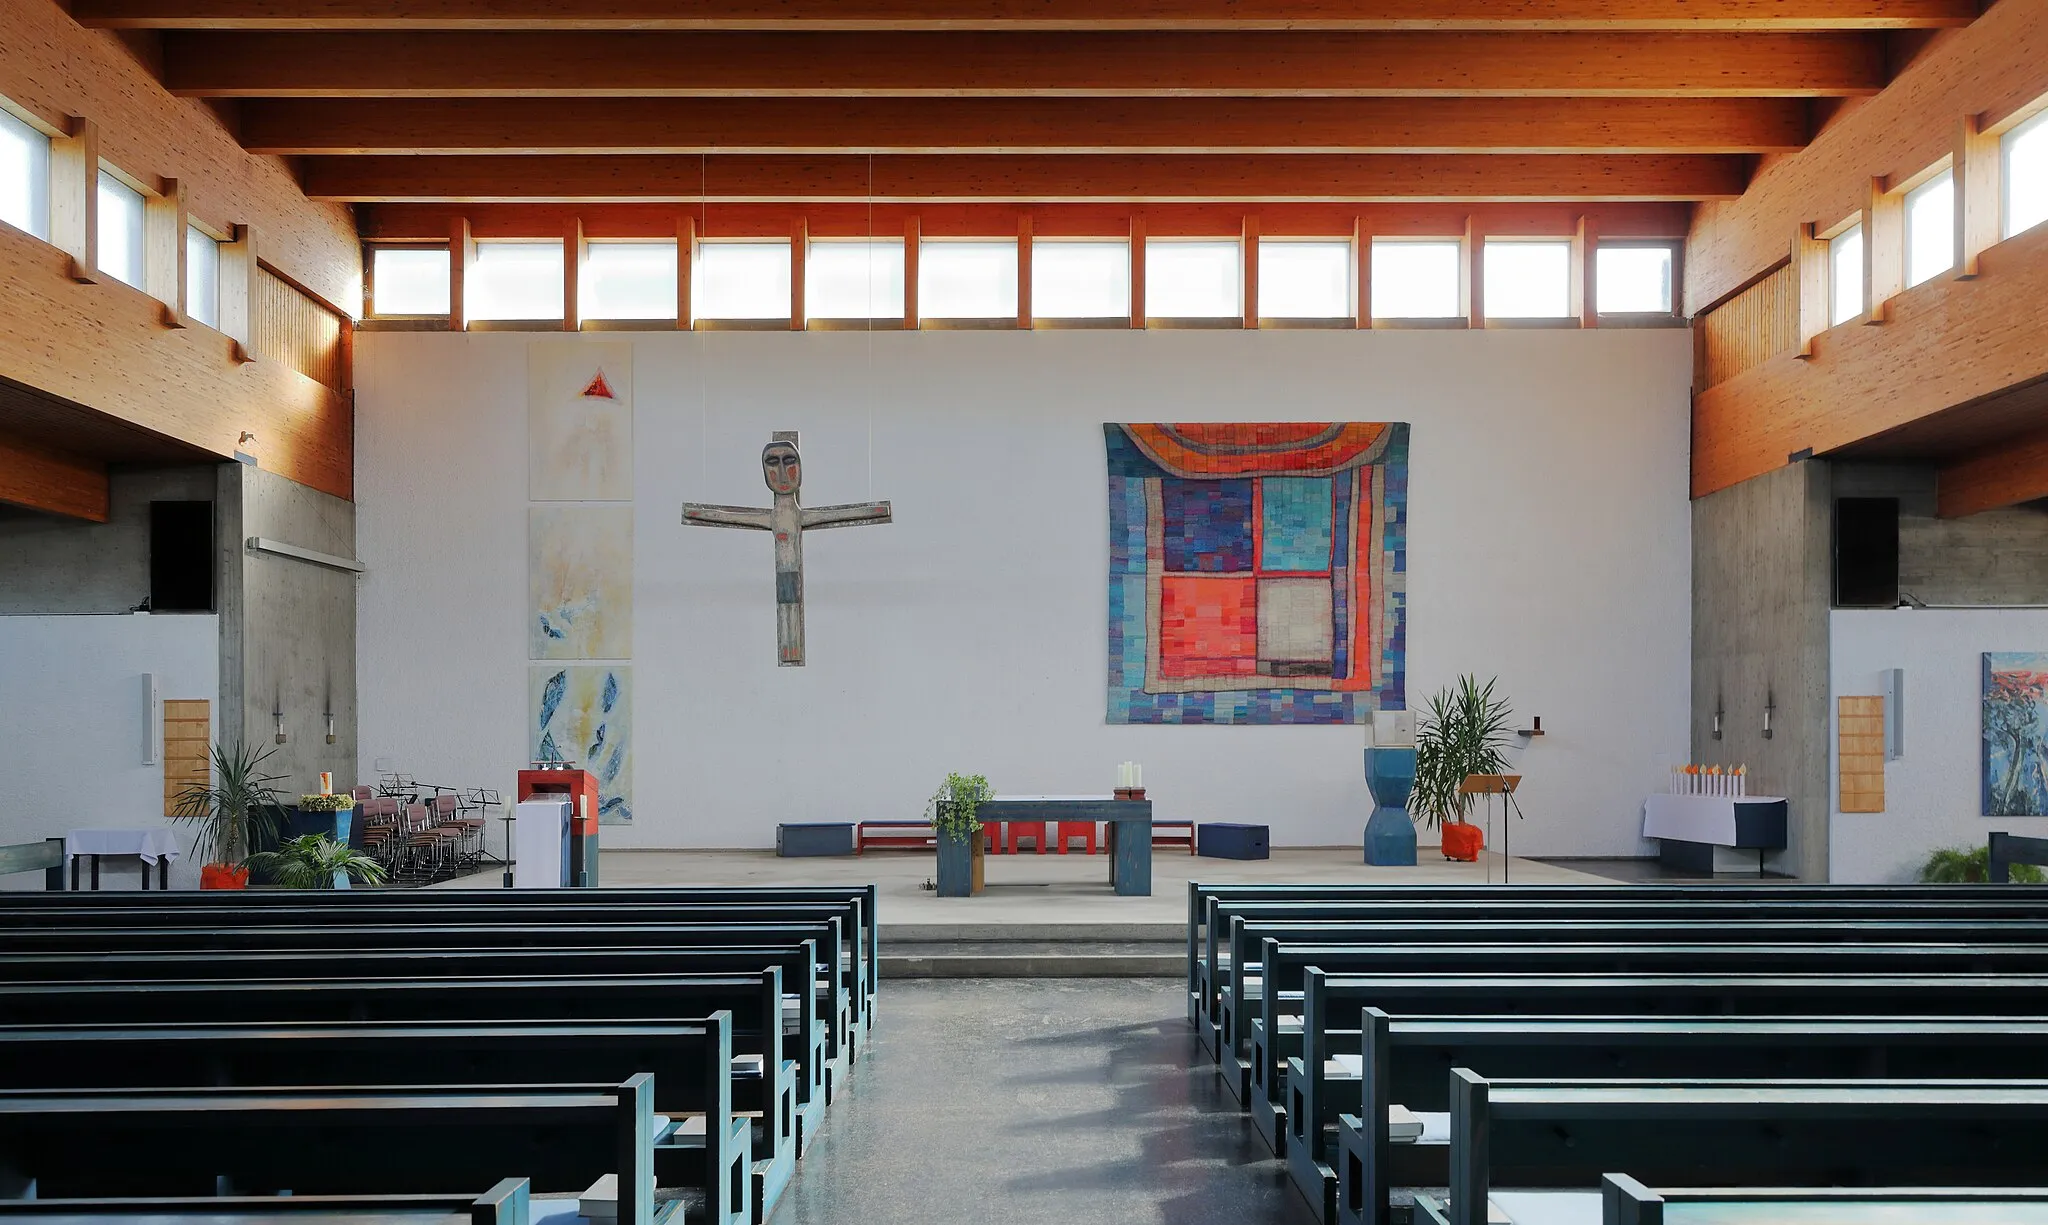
<point>1094,951</point>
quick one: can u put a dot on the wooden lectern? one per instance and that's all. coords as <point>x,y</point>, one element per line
<point>1490,785</point>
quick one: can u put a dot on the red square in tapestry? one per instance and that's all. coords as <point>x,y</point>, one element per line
<point>1208,626</point>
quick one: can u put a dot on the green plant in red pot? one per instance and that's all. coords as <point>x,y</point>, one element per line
<point>1463,732</point>
<point>232,811</point>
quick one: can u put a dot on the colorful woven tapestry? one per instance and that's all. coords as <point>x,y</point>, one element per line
<point>1257,573</point>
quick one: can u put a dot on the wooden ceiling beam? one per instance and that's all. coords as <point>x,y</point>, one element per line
<point>1025,14</point>
<point>1051,177</point>
<point>304,126</point>
<point>1101,219</point>
<point>54,482</point>
<point>433,64</point>
<point>2005,475</point>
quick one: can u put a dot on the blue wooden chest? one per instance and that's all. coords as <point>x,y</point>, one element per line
<point>814,838</point>
<point>1229,840</point>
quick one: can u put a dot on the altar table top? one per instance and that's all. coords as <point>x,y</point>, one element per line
<point>159,842</point>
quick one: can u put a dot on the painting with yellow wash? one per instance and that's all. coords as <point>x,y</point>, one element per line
<point>580,421</point>
<point>579,574</point>
<point>583,715</point>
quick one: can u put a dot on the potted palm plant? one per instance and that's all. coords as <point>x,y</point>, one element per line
<point>315,862</point>
<point>955,827</point>
<point>1463,732</point>
<point>233,811</point>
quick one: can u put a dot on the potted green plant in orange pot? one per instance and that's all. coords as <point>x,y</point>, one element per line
<point>233,811</point>
<point>1463,732</point>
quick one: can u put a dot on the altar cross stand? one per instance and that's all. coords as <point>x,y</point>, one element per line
<point>782,468</point>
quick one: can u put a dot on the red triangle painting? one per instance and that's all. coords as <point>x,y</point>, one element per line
<point>599,389</point>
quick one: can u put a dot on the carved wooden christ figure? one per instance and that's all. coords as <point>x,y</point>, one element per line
<point>789,520</point>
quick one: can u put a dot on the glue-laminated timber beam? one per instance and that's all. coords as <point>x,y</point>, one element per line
<point>1250,177</point>
<point>2005,475</point>
<point>318,126</point>
<point>1025,14</point>
<point>50,481</point>
<point>1425,63</point>
<point>1097,219</point>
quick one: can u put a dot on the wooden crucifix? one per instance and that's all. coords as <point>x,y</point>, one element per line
<point>789,520</point>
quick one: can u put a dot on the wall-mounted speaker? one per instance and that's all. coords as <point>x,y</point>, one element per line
<point>1894,714</point>
<point>1866,553</point>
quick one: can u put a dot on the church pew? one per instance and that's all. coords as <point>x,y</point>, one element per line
<point>383,954</point>
<point>404,910</point>
<point>510,1202</point>
<point>1532,900</point>
<point>691,1062</point>
<point>1225,953</point>
<point>1285,967</point>
<point>1570,1134</point>
<point>332,1141</point>
<point>1625,1200</point>
<point>1406,1060</point>
<point>1768,991</point>
<point>754,999</point>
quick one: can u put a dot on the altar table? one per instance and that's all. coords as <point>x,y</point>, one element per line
<point>157,845</point>
<point>1695,830</point>
<point>1128,823</point>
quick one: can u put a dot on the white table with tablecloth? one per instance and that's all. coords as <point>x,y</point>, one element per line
<point>156,846</point>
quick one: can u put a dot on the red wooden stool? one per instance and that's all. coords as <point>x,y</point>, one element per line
<point>1036,829</point>
<point>993,831</point>
<point>1076,829</point>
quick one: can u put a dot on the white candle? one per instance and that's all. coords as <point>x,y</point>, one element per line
<point>1137,777</point>
<point>1123,774</point>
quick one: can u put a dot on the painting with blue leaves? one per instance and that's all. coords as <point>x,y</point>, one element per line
<point>2016,734</point>
<point>583,714</point>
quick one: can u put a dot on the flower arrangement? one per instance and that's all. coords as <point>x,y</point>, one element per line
<point>952,807</point>
<point>326,803</point>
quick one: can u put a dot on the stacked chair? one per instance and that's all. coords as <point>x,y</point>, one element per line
<point>1608,1054</point>
<point>191,1057</point>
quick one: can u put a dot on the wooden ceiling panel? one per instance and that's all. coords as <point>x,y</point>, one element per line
<point>1025,14</point>
<point>1280,177</point>
<point>977,63</point>
<point>1022,125</point>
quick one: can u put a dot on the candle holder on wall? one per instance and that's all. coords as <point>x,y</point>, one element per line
<point>1770,709</point>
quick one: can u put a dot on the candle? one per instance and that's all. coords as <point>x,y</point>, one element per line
<point>326,782</point>
<point>1137,777</point>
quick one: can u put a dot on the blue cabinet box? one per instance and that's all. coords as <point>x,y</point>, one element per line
<point>1228,840</point>
<point>814,838</point>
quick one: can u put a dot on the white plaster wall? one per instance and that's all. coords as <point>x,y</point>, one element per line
<point>1934,793</point>
<point>1549,544</point>
<point>73,724</point>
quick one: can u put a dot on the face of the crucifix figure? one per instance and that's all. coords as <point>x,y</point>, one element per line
<point>780,465</point>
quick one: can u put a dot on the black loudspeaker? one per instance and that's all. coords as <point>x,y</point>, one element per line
<point>1867,553</point>
<point>181,557</point>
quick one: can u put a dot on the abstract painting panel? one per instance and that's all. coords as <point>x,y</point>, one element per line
<point>2016,734</point>
<point>1258,572</point>
<point>579,575</point>
<point>580,422</point>
<point>583,715</point>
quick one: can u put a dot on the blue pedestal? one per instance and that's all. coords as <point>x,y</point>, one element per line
<point>1389,833</point>
<point>956,865</point>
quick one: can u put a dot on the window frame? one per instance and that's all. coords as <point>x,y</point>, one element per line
<point>1461,275</point>
<point>523,323</point>
<point>39,173</point>
<point>140,230</point>
<point>1667,318</point>
<point>1831,237</point>
<point>925,319</point>
<point>587,321</point>
<point>373,318</point>
<point>1915,186</point>
<point>194,226</point>
<point>1281,322</point>
<point>857,323</point>
<point>1121,319</point>
<point>2006,140</point>
<point>739,323</point>
<point>1233,319</point>
<point>1568,319</point>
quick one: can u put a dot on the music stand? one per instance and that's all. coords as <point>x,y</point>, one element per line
<point>1490,785</point>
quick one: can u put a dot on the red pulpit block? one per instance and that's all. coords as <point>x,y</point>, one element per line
<point>580,786</point>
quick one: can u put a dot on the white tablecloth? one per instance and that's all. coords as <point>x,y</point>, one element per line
<point>151,844</point>
<point>1696,818</point>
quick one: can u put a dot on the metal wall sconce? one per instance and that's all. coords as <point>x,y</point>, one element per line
<point>1718,712</point>
<point>277,714</point>
<point>1770,708</point>
<point>330,727</point>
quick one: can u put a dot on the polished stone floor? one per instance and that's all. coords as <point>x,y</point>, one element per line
<point>1038,1102</point>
